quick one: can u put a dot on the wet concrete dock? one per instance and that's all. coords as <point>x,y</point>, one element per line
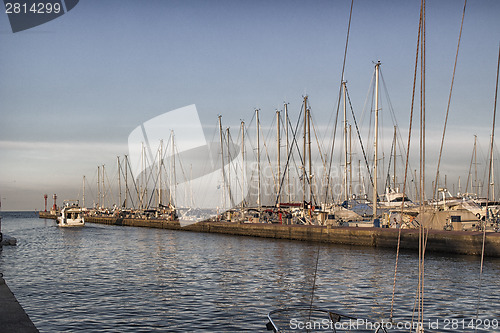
<point>454,242</point>
<point>13,318</point>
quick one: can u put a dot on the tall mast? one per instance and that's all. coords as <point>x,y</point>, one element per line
<point>242,164</point>
<point>231,203</point>
<point>350,159</point>
<point>98,186</point>
<point>492,176</point>
<point>475,165</point>
<point>287,153</point>
<point>459,186</point>
<point>309,153</point>
<point>119,183</point>
<point>83,197</point>
<point>103,187</point>
<point>359,178</point>
<point>222,164</point>
<point>126,180</point>
<point>375,161</point>
<point>346,194</point>
<point>141,195</point>
<point>170,182</point>
<point>259,202</point>
<point>304,155</point>
<point>160,163</point>
<point>278,143</point>
<point>174,180</point>
<point>394,179</point>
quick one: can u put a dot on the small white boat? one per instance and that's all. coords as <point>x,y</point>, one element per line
<point>71,215</point>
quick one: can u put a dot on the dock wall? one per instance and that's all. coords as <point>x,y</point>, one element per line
<point>455,242</point>
<point>13,318</point>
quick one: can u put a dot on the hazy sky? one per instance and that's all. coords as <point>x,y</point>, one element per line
<point>73,89</point>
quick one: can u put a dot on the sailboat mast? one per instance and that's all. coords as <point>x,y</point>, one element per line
<point>222,164</point>
<point>160,163</point>
<point>350,159</point>
<point>98,186</point>
<point>103,186</point>
<point>346,194</point>
<point>375,160</point>
<point>287,153</point>
<point>174,181</point>
<point>309,154</point>
<point>140,196</point>
<point>304,172</point>
<point>259,202</point>
<point>126,180</point>
<point>231,203</point>
<point>475,165</point>
<point>359,178</point>
<point>394,157</point>
<point>242,164</point>
<point>83,197</point>
<point>278,144</point>
<point>119,183</point>
<point>170,183</point>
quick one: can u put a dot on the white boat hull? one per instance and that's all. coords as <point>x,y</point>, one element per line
<point>65,222</point>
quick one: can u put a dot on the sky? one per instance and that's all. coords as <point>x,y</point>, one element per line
<point>72,89</point>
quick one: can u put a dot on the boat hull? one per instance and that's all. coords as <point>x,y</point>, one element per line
<point>62,222</point>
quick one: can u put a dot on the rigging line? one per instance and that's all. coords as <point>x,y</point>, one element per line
<point>323,160</point>
<point>154,176</point>
<point>294,135</point>
<point>267,153</point>
<point>388,178</point>
<point>470,171</point>
<point>234,164</point>
<point>294,141</point>
<point>133,181</point>
<point>338,103</point>
<point>107,192</point>
<point>448,107</point>
<point>489,181</point>
<point>359,136</point>
<point>320,144</point>
<point>406,164</point>
<point>393,116</point>
<point>289,153</point>
<point>151,177</point>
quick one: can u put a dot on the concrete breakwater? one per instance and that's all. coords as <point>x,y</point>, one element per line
<point>455,242</point>
<point>47,215</point>
<point>13,318</point>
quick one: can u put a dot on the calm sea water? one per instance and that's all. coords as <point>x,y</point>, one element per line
<point>125,279</point>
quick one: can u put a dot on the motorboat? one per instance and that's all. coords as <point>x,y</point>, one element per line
<point>71,215</point>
